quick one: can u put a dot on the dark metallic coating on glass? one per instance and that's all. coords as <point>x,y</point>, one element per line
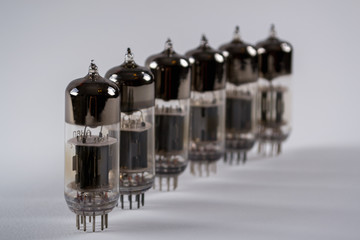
<point>207,68</point>
<point>275,57</point>
<point>92,100</point>
<point>171,72</point>
<point>241,60</point>
<point>136,84</point>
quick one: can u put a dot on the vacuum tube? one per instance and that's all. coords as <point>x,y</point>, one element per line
<point>92,113</point>
<point>172,108</point>
<point>241,89</point>
<point>207,107</point>
<point>274,110</point>
<point>137,88</point>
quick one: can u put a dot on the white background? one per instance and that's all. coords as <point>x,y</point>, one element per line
<point>310,192</point>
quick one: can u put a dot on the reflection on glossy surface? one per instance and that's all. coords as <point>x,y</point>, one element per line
<point>111,91</point>
<point>261,50</point>
<point>146,77</point>
<point>219,58</point>
<point>251,50</point>
<point>74,92</point>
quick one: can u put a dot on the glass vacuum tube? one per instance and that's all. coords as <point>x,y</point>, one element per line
<point>172,80</point>
<point>137,89</point>
<point>92,113</point>
<point>241,89</point>
<point>207,107</point>
<point>274,99</point>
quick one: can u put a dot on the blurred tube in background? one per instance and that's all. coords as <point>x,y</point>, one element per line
<point>172,109</point>
<point>241,88</point>
<point>274,94</point>
<point>137,160</point>
<point>207,111</point>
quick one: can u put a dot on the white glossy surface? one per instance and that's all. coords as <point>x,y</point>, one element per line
<point>303,194</point>
<point>310,192</point>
